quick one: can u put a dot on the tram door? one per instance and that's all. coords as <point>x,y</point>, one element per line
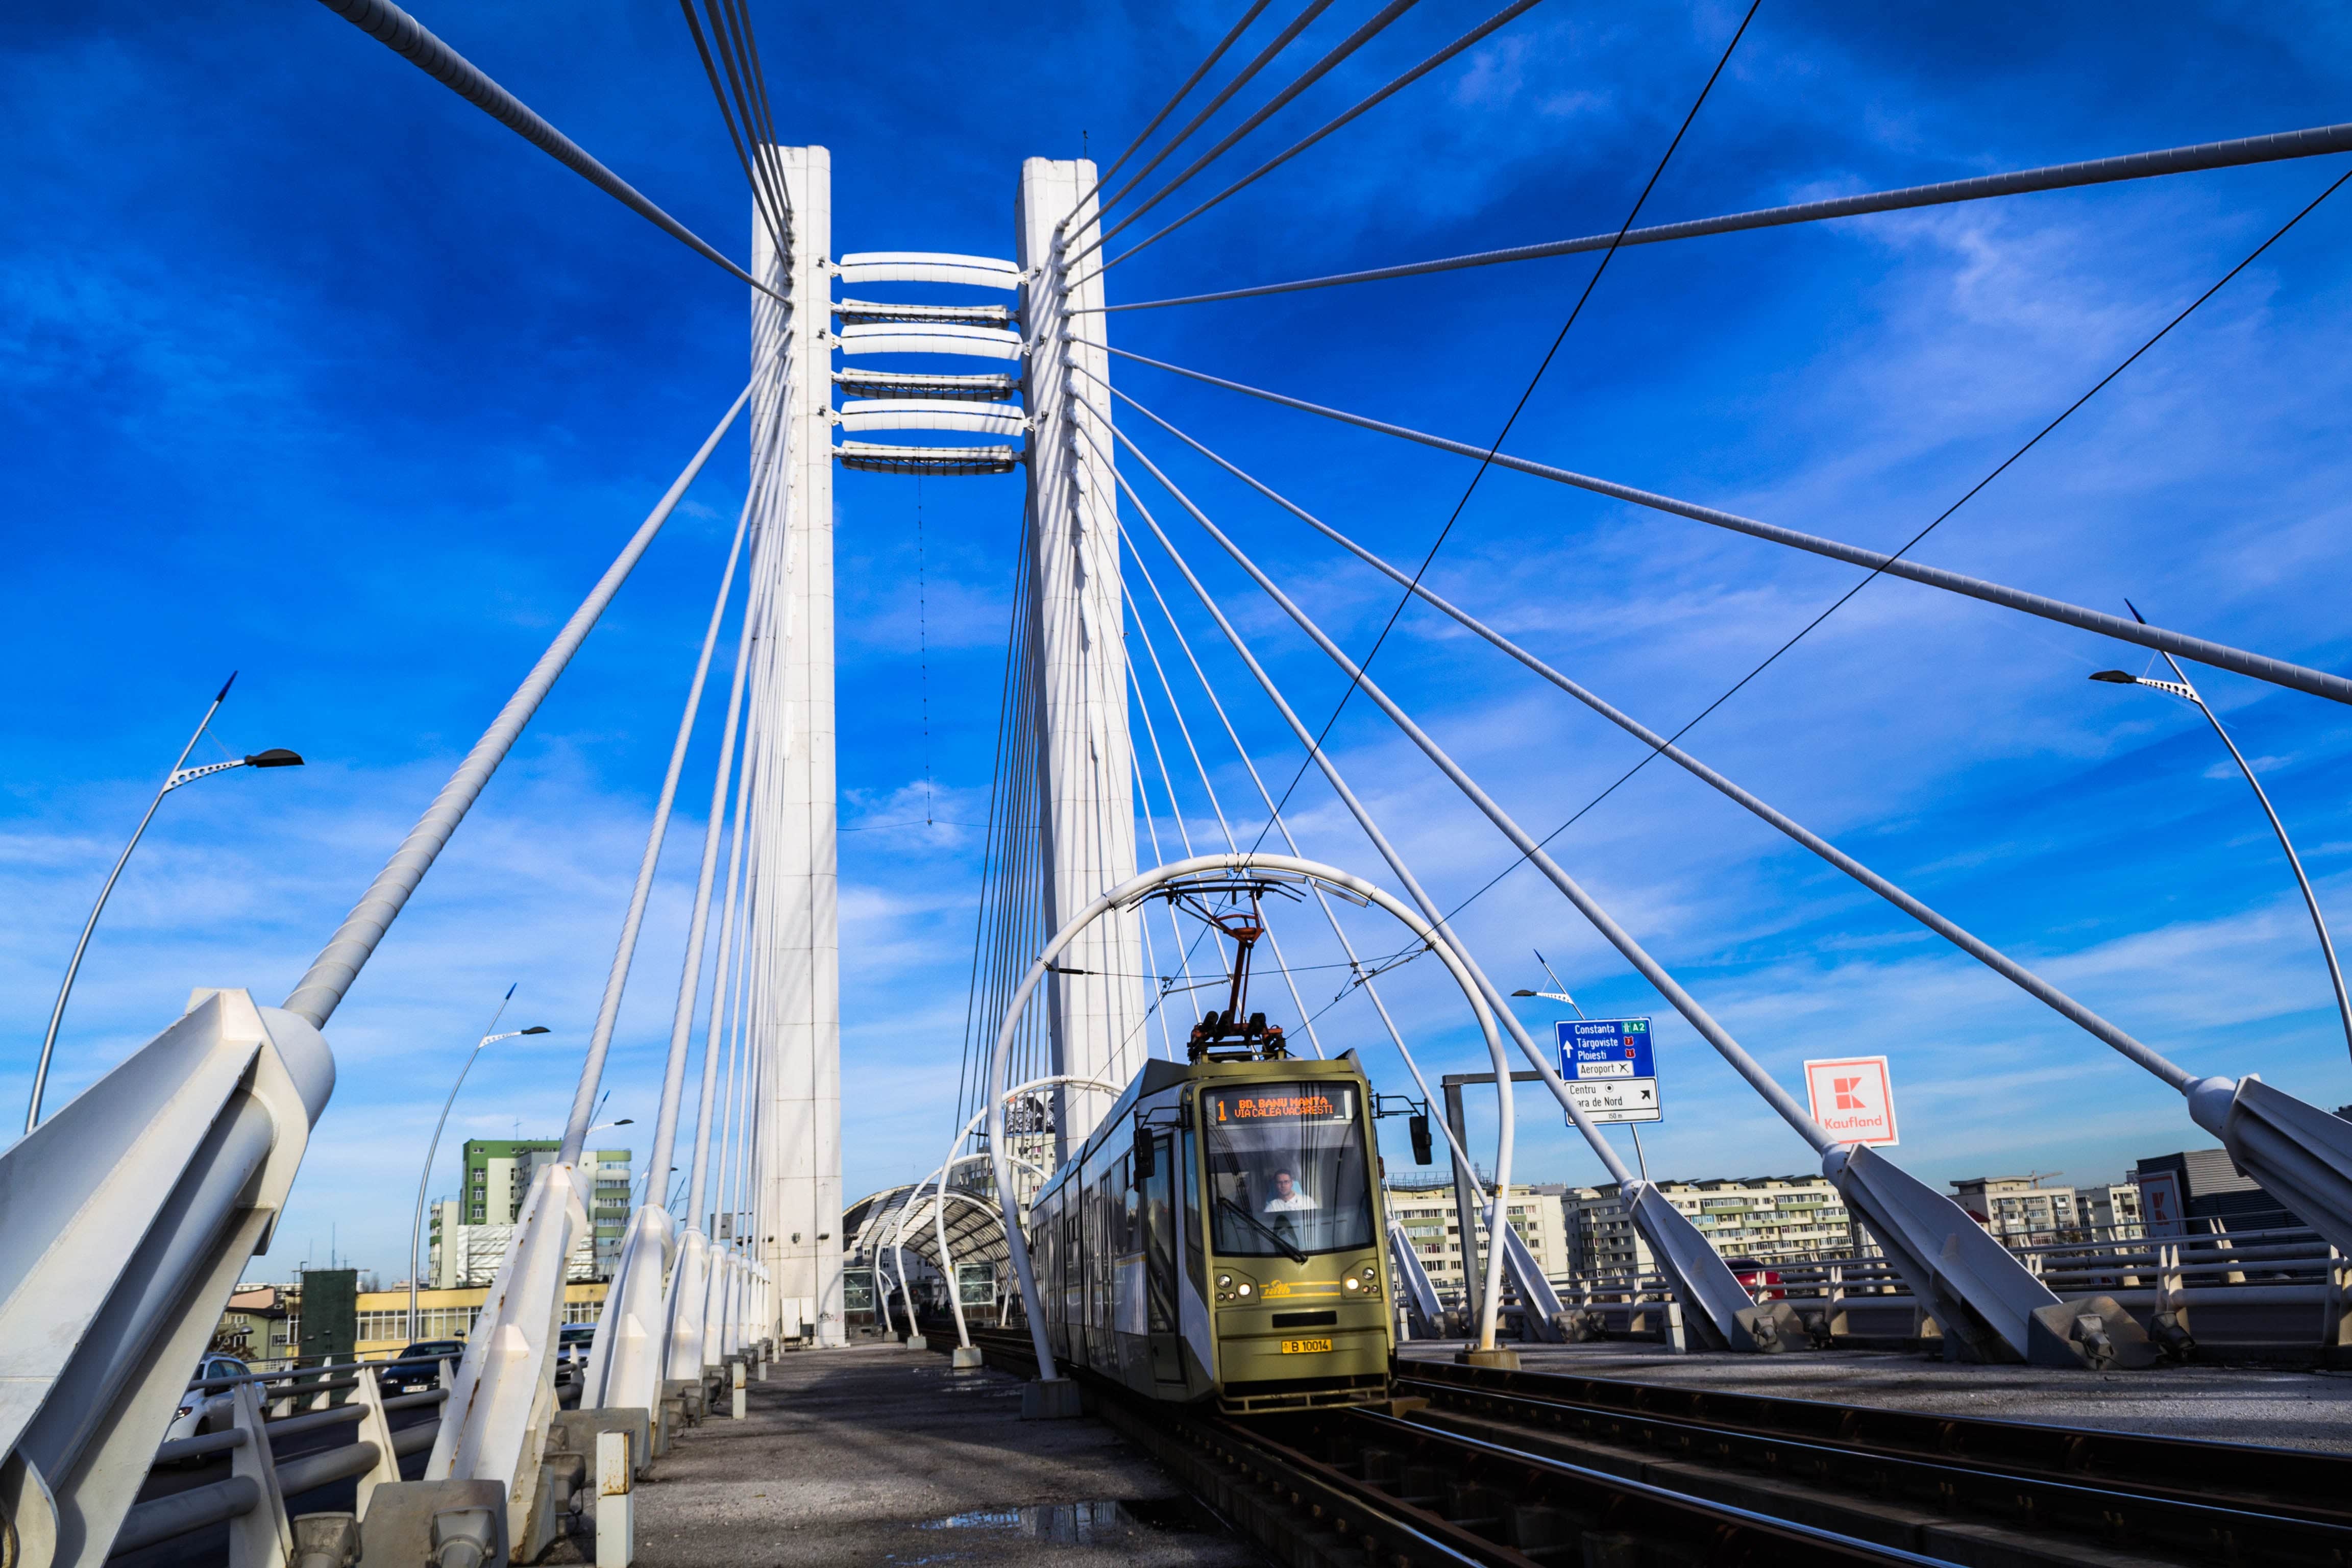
<point>1160,1265</point>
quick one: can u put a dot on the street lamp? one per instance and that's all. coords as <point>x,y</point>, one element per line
<point>180,773</point>
<point>2188,693</point>
<point>416,1224</point>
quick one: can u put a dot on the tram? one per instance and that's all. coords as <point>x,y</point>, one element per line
<point>1220,1236</point>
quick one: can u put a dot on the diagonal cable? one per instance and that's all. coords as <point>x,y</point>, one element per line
<point>1875,573</point>
<point>406,36</point>
<point>1550,354</point>
<point>1492,23</point>
<point>1273,105</point>
<point>1233,35</point>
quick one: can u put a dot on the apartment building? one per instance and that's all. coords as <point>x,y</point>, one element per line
<point>1768,1218</point>
<point>1434,1228</point>
<point>498,1176</point>
<point>2025,1211</point>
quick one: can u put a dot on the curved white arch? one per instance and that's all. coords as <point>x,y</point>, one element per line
<point>1134,891</point>
<point>955,1298</point>
<point>928,267</point>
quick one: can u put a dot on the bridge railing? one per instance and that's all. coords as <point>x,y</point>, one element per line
<point>2275,1290</point>
<point>252,1499</point>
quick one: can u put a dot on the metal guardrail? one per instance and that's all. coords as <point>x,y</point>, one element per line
<point>259,1481</point>
<point>2274,1291</point>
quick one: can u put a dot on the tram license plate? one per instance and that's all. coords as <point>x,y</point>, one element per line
<point>1305,1347</point>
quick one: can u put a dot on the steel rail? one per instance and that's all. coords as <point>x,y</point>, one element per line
<point>2289,1482</point>
<point>2257,666</point>
<point>409,38</point>
<point>2312,143</point>
<point>2209,1527</point>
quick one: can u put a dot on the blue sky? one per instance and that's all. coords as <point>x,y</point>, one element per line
<point>309,370</point>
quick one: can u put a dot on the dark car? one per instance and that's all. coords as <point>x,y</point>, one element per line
<point>573,1343</point>
<point>423,1370</point>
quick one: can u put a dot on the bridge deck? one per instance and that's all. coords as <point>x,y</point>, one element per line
<point>879,1455</point>
<point>2286,1409</point>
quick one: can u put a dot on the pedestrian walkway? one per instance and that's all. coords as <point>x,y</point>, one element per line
<point>879,1455</point>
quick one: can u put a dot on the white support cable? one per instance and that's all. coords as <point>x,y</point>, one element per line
<point>1362,107</point>
<point>404,36</point>
<point>1305,1018</point>
<point>1233,35</point>
<point>1176,815</point>
<point>583,1100</point>
<point>1331,62</point>
<point>321,988</point>
<point>1360,975</point>
<point>1242,78</point>
<point>1799,1118</point>
<point>2258,667</point>
<point>2285,145</point>
<point>689,985</point>
<point>1388,851</point>
<point>1984,953</point>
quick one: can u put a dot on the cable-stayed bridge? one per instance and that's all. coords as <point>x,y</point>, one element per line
<point>1106,933</point>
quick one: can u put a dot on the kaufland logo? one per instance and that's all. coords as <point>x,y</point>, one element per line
<point>1850,1098</point>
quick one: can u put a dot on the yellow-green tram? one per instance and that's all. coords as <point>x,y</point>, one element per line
<point>1221,1234</point>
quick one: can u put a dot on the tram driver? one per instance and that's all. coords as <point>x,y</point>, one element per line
<point>1287,1198</point>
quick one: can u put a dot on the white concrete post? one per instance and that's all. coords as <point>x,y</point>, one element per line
<point>617,1544</point>
<point>799,947</point>
<point>1079,648</point>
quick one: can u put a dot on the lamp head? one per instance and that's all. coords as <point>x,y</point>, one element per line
<point>1522,993</point>
<point>534,1030</point>
<point>2116,678</point>
<point>276,757</point>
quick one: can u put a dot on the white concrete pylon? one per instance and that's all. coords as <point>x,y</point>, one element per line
<point>795,942</point>
<point>1078,641</point>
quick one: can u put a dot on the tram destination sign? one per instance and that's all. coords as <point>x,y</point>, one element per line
<point>1607,1068</point>
<point>1286,1103</point>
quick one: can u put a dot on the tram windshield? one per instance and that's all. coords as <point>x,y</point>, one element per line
<point>1286,1170</point>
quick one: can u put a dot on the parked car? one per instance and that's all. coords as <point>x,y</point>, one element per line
<point>207,1410</point>
<point>1760,1281</point>
<point>572,1345</point>
<point>425,1371</point>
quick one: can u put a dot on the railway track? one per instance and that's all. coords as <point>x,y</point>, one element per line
<point>1469,1464</point>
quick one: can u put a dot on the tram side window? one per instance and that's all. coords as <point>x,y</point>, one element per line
<point>1286,1170</point>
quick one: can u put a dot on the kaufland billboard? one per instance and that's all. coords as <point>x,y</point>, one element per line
<point>1853,1099</point>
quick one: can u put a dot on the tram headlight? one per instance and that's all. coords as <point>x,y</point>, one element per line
<point>1224,1281</point>
<point>1352,1283</point>
<point>1242,1289</point>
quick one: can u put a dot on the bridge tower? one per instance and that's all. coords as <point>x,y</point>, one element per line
<point>1077,633</point>
<point>795,859</point>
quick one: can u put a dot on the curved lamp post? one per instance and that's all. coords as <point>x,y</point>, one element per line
<point>2188,693</point>
<point>417,1223</point>
<point>180,773</point>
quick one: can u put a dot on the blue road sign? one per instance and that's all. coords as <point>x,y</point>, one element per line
<point>1608,1069</point>
<point>1605,1047</point>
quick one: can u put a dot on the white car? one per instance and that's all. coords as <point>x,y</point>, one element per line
<point>207,1410</point>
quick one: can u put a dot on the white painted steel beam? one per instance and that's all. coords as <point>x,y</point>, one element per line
<point>934,338</point>
<point>881,459</point>
<point>930,413</point>
<point>928,267</point>
<point>796,941</point>
<point>1077,631</point>
<point>125,1221</point>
